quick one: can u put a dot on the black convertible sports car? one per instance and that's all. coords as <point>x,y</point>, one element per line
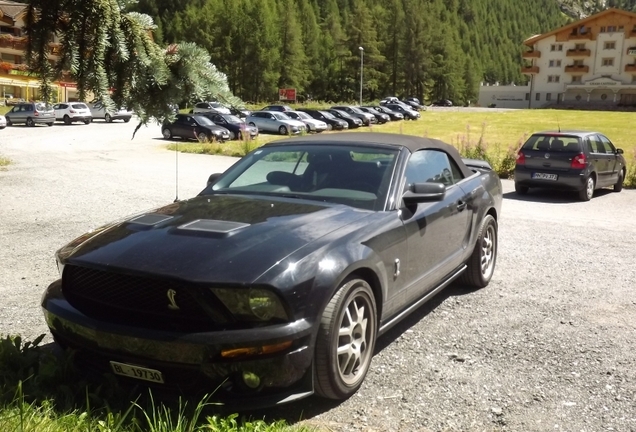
<point>275,281</point>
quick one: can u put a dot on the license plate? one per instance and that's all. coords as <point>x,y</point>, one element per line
<point>544,176</point>
<point>137,372</point>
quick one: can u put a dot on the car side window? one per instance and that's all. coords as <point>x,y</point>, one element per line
<point>432,166</point>
<point>596,145</point>
<point>609,147</point>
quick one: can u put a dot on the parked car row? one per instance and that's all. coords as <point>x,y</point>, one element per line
<point>32,113</point>
<point>208,126</point>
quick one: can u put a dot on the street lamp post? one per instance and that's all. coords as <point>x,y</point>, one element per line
<point>361,69</point>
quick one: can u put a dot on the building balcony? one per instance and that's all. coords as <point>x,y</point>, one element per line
<point>630,67</point>
<point>578,53</point>
<point>531,54</point>
<point>13,42</point>
<point>631,51</point>
<point>577,69</point>
<point>580,36</point>
<point>530,70</point>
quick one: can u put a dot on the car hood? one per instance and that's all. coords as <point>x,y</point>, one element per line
<point>230,239</point>
<point>216,128</point>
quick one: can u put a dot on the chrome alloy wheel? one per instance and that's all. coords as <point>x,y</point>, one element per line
<point>488,251</point>
<point>357,328</point>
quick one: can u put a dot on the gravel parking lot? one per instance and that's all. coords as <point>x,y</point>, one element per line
<point>548,345</point>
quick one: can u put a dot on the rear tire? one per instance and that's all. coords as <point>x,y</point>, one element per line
<point>618,186</point>
<point>50,124</point>
<point>67,120</point>
<point>9,122</point>
<point>127,119</point>
<point>345,340</point>
<point>30,122</point>
<point>521,190</point>
<point>108,118</point>
<point>587,193</point>
<point>87,121</point>
<point>481,264</point>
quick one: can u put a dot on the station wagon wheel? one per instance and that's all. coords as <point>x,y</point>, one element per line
<point>108,118</point>
<point>587,193</point>
<point>167,133</point>
<point>30,122</point>
<point>282,130</point>
<point>203,137</point>
<point>232,135</point>
<point>618,186</point>
<point>481,264</point>
<point>345,341</point>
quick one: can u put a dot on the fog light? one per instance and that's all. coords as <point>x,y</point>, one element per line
<point>251,380</point>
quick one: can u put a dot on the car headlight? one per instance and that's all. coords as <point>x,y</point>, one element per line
<point>252,304</point>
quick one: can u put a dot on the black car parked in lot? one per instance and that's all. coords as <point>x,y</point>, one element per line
<point>353,122</point>
<point>380,117</point>
<point>395,116</point>
<point>194,126</point>
<point>580,161</point>
<point>275,281</point>
<point>333,123</point>
<point>408,112</point>
<point>237,127</point>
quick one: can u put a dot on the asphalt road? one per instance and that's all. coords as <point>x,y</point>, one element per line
<point>548,345</point>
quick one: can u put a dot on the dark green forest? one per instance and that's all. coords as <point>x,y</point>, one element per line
<point>431,49</point>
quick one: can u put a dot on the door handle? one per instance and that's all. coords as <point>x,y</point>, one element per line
<point>461,205</point>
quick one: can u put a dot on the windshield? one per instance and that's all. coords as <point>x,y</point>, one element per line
<point>216,105</point>
<point>204,121</point>
<point>553,143</point>
<point>281,116</point>
<point>304,115</point>
<point>328,115</point>
<point>232,119</point>
<point>357,110</point>
<point>358,176</point>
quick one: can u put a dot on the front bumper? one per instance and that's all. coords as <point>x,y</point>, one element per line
<point>573,180</point>
<point>190,362</point>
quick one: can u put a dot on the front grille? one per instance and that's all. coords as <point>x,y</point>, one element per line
<point>142,301</point>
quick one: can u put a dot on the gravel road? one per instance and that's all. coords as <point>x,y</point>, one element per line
<point>547,346</point>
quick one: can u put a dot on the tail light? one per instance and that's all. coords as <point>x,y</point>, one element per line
<point>579,161</point>
<point>72,111</point>
<point>521,158</point>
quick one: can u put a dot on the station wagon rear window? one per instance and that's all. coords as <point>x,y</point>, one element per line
<point>553,143</point>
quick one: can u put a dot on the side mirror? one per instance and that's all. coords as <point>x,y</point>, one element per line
<point>213,178</point>
<point>619,151</point>
<point>424,192</point>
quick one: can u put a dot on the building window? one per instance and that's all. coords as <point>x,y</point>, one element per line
<point>556,47</point>
<point>537,96</point>
<point>548,96</point>
<point>555,63</point>
<point>576,79</point>
<point>608,62</point>
<point>579,46</point>
<point>621,28</point>
<point>554,78</point>
<point>577,63</point>
<point>609,45</point>
<point>528,94</point>
<point>611,29</point>
<point>634,78</point>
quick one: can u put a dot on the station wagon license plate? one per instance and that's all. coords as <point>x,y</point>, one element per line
<point>544,176</point>
<point>137,372</point>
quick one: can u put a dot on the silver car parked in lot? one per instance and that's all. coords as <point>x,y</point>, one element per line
<point>31,113</point>
<point>272,121</point>
<point>99,111</point>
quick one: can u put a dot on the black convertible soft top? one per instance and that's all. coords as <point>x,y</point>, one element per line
<point>411,142</point>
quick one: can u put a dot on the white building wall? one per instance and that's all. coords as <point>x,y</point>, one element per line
<point>504,96</point>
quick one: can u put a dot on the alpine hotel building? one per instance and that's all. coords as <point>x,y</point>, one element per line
<point>590,63</point>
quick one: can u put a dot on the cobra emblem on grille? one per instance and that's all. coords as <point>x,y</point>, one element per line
<point>171,295</point>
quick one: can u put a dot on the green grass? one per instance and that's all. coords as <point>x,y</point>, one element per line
<point>4,109</point>
<point>491,135</point>
<point>4,161</point>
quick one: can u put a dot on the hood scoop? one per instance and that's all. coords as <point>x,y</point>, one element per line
<point>213,226</point>
<point>150,219</point>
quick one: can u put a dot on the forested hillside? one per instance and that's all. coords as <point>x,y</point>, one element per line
<point>582,8</point>
<point>426,48</point>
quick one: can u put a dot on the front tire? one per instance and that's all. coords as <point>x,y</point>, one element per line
<point>167,133</point>
<point>108,118</point>
<point>481,264</point>
<point>345,340</point>
<point>618,186</point>
<point>203,137</point>
<point>282,130</point>
<point>587,193</point>
<point>9,121</point>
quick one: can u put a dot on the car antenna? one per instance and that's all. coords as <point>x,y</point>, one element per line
<point>176,152</point>
<point>558,124</point>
